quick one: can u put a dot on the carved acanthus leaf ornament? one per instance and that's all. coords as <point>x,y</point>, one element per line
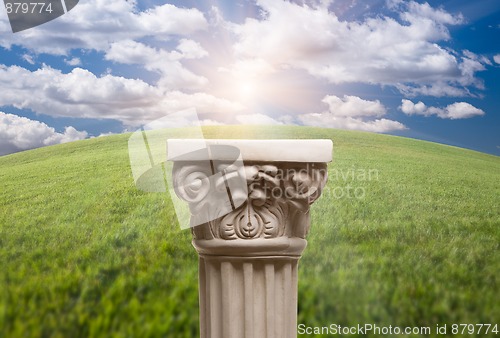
<point>272,202</point>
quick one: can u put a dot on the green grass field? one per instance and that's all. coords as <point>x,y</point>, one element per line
<point>83,253</point>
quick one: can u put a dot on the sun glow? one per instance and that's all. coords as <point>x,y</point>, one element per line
<point>247,91</point>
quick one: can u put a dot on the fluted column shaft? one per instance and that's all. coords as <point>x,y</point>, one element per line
<point>248,297</point>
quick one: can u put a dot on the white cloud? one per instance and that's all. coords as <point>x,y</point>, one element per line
<point>326,120</point>
<point>454,111</point>
<point>94,24</point>
<point>191,49</point>
<point>438,89</point>
<point>73,61</point>
<point>418,11</point>
<point>378,50</point>
<point>82,94</point>
<point>410,108</point>
<point>28,58</point>
<point>496,58</point>
<point>209,122</point>
<point>353,106</point>
<point>106,134</point>
<point>462,110</point>
<point>473,56</point>
<point>132,52</point>
<point>351,112</point>
<point>173,74</point>
<point>169,19</point>
<point>20,133</point>
<point>204,103</point>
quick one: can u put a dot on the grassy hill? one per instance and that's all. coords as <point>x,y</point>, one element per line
<point>84,253</point>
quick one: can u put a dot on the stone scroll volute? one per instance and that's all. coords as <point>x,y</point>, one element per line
<point>275,204</point>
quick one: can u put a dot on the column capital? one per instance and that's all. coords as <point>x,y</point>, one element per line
<point>272,212</point>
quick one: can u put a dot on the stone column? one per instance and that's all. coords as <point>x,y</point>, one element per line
<point>249,252</point>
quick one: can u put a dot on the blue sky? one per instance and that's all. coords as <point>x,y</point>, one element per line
<point>427,70</point>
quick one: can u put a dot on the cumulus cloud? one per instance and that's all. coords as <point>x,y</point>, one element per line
<point>20,133</point>
<point>378,50</point>
<point>190,49</point>
<point>353,106</point>
<point>28,58</point>
<point>81,93</point>
<point>173,74</point>
<point>410,108</point>
<point>73,61</point>
<point>496,58</point>
<point>106,134</point>
<point>113,26</point>
<point>326,120</point>
<point>454,111</point>
<point>95,24</point>
<point>416,11</point>
<point>351,112</point>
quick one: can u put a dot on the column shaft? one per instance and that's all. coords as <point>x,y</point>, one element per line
<point>250,297</point>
